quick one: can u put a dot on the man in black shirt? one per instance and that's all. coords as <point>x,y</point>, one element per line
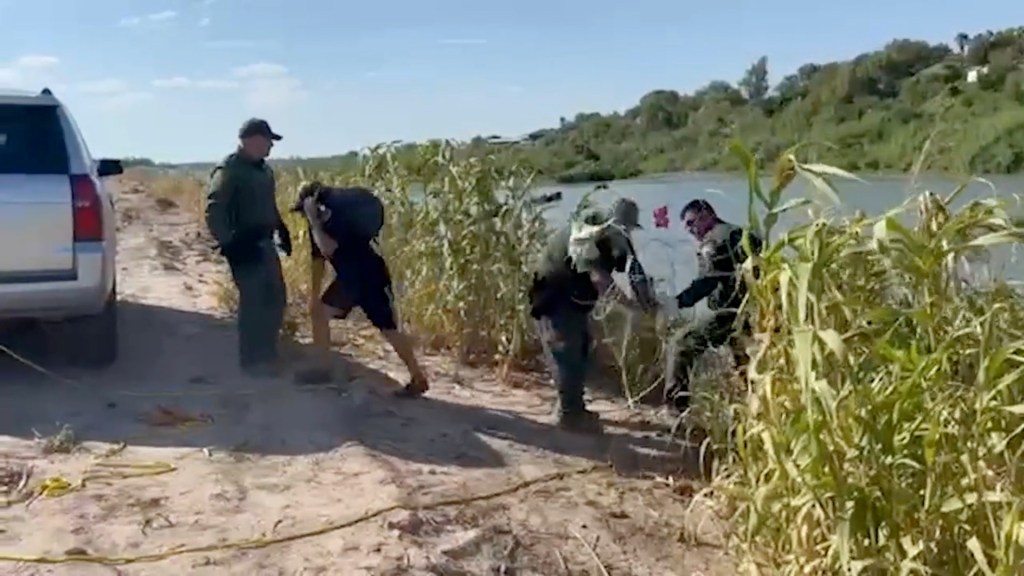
<point>720,256</point>
<point>362,275</point>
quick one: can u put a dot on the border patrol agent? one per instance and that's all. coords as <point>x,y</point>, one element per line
<point>720,255</point>
<point>561,298</point>
<point>242,216</point>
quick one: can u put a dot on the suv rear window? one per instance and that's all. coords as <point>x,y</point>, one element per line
<point>31,140</point>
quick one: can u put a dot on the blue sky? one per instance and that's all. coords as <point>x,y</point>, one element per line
<point>173,79</point>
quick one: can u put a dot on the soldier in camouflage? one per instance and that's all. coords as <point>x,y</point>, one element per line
<point>562,296</point>
<point>242,216</point>
<point>720,256</point>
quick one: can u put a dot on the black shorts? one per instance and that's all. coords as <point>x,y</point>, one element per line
<point>362,280</point>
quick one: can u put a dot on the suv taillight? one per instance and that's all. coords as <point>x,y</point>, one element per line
<point>87,209</point>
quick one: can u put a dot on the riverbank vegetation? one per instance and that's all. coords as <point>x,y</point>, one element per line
<point>881,430</point>
<point>880,425</point>
<point>459,251</point>
<point>876,111</point>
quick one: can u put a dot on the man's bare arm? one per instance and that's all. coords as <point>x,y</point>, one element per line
<point>323,242</point>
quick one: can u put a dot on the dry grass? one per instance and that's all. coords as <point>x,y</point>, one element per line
<point>460,239</point>
<point>63,441</point>
<point>169,190</point>
<point>878,430</point>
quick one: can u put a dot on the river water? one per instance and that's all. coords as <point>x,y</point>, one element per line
<point>669,254</point>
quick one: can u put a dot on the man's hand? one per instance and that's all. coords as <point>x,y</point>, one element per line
<point>605,285</point>
<point>602,282</point>
<point>310,209</point>
<point>284,238</point>
<point>324,243</point>
<point>683,300</point>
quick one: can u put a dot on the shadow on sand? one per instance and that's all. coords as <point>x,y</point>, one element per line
<point>186,361</point>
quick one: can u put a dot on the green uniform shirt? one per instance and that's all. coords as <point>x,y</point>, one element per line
<point>558,282</point>
<point>719,258</point>
<point>241,201</point>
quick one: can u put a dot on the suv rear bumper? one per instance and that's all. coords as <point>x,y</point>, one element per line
<point>84,296</point>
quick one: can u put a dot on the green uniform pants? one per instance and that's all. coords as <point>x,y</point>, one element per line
<point>566,333</point>
<point>261,306</point>
<point>713,332</point>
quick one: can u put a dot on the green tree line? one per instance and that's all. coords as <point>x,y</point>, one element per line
<point>874,112</point>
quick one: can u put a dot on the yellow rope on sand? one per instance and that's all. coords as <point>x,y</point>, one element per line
<point>107,471</point>
<point>100,472</point>
<point>34,366</point>
<point>259,543</point>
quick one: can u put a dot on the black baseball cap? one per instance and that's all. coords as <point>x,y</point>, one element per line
<point>626,213</point>
<point>257,127</point>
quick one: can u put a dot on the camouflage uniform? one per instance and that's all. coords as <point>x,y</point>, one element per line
<point>242,216</point>
<point>562,297</point>
<point>719,257</point>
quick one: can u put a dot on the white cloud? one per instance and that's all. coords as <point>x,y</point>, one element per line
<point>174,82</point>
<point>265,87</point>
<point>270,94</point>
<point>28,72</point>
<point>260,70</point>
<point>204,22</point>
<point>36,62</point>
<point>160,16</point>
<point>104,86</point>
<point>112,93</point>
<point>131,21</point>
<point>268,87</point>
<point>126,99</point>
<point>183,82</point>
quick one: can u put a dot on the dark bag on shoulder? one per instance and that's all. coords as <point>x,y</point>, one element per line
<point>355,212</point>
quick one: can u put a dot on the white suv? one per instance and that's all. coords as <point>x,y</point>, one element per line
<point>57,226</point>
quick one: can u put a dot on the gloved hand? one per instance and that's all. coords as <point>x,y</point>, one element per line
<point>683,300</point>
<point>284,238</point>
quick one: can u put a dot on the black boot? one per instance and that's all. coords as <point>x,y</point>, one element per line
<point>677,395</point>
<point>581,420</point>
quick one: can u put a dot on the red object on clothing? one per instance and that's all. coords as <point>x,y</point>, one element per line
<point>661,219</point>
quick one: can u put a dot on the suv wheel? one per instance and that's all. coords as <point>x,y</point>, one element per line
<point>96,337</point>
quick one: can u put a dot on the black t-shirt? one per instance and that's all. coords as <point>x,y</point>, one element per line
<point>342,204</point>
<point>356,261</point>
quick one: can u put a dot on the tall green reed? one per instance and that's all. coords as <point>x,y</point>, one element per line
<point>881,429</point>
<point>460,236</point>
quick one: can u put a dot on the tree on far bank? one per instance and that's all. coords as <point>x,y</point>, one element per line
<point>755,82</point>
<point>962,39</point>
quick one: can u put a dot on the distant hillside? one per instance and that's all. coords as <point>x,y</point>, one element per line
<point>349,158</point>
<point>876,111</point>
